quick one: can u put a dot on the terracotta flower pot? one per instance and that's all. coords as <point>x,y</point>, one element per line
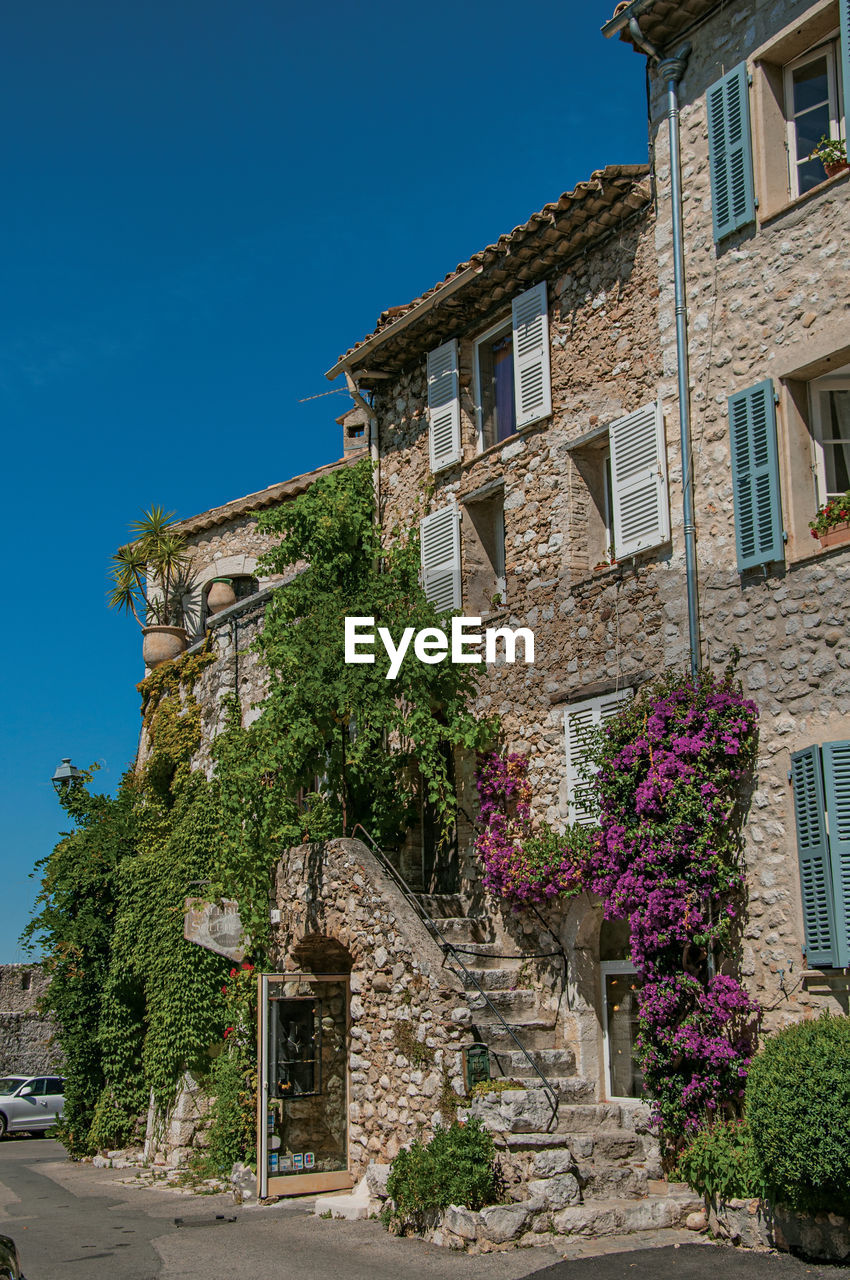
<point>836,536</point>
<point>220,595</point>
<point>161,644</point>
<point>834,167</point>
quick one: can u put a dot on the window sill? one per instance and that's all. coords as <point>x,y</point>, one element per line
<point>798,201</point>
<point>815,552</point>
<point>519,434</point>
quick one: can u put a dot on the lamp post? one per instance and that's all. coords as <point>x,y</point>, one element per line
<point>66,774</point>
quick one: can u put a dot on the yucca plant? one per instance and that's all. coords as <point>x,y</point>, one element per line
<point>150,574</point>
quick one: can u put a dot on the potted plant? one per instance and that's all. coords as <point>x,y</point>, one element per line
<point>832,522</point>
<point>832,153</point>
<point>150,579</point>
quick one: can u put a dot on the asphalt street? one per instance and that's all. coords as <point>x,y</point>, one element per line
<point>75,1222</point>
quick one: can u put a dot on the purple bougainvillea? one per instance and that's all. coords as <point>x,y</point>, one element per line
<point>522,865</point>
<point>672,767</point>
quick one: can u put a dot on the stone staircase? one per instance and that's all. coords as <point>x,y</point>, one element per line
<point>596,1169</point>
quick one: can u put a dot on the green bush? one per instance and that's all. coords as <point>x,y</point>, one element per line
<point>798,1112</point>
<point>720,1163</point>
<point>457,1166</point>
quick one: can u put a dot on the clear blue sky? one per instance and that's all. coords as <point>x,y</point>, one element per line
<point>203,205</point>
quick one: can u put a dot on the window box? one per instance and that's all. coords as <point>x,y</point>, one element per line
<point>836,536</point>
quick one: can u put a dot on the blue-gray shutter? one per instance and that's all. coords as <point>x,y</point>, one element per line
<point>730,155</point>
<point>844,41</point>
<point>813,856</point>
<point>755,476</point>
<point>836,781</point>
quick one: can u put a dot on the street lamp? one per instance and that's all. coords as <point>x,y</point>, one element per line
<point>66,774</point>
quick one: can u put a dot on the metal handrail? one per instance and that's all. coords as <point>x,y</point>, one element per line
<point>451,951</point>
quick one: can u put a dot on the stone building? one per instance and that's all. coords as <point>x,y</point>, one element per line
<point>27,1044</point>
<point>524,415</point>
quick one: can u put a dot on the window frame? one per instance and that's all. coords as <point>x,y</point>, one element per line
<point>827,47</point>
<point>503,327</point>
<point>830,382</point>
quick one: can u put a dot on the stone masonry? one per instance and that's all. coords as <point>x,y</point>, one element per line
<point>27,1044</point>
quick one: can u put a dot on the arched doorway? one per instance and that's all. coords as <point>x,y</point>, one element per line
<point>620,985</point>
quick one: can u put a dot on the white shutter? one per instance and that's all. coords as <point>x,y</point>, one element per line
<point>580,722</point>
<point>443,406</point>
<point>439,536</point>
<point>531,356</point>
<point>639,481</point>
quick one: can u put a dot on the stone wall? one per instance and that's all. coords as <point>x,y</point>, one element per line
<point>769,301</point>
<point>340,912</point>
<point>27,1044</point>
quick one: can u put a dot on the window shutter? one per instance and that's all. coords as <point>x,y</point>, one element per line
<point>581,720</point>
<point>639,481</point>
<point>813,857</point>
<point>531,356</point>
<point>836,778</point>
<point>440,551</point>
<point>443,406</point>
<point>755,476</point>
<point>730,157</point>
<point>844,41</point>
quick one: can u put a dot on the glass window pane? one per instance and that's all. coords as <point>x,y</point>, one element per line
<point>837,462</point>
<point>810,128</point>
<point>503,386</point>
<point>811,85</point>
<point>809,175</point>
<point>621,1004</point>
<point>835,411</point>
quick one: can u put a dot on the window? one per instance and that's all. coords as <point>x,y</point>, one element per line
<point>624,470</point>
<point>830,404</point>
<point>820,776</point>
<point>812,96</point>
<point>484,551</point>
<point>581,720</point>
<point>495,393</point>
<point>511,380</point>
<point>788,461</point>
<point>800,84</point>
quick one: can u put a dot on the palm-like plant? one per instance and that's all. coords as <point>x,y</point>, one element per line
<point>150,574</point>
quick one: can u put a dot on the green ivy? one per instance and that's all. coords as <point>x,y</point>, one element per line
<point>334,745</point>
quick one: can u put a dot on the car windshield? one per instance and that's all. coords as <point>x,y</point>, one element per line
<point>8,1084</point>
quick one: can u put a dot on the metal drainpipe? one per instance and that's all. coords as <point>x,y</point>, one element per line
<point>672,69</point>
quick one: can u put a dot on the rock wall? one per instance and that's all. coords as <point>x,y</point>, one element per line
<point>341,912</point>
<point>27,1043</point>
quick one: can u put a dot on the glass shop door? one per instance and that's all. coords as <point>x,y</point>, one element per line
<point>302,1101</point>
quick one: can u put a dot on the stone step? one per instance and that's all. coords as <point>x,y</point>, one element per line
<point>442,904</point>
<point>464,930</point>
<point>533,1033</point>
<point>486,955</point>
<point>508,1000</point>
<point>514,1065</point>
<point>501,979</point>
<point>621,1216</point>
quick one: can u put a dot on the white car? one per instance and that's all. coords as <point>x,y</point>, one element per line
<point>31,1103</point>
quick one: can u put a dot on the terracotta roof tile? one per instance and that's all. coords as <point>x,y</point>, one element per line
<point>560,228</point>
<point>265,498</point>
<point>661,21</point>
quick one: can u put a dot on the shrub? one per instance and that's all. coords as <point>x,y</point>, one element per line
<point>720,1164</point>
<point>797,1107</point>
<point>457,1166</point>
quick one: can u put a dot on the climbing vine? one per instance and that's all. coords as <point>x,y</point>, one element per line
<point>673,767</point>
<point>334,745</point>
<point>338,744</point>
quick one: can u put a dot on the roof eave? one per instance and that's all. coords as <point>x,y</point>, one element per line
<point>621,20</point>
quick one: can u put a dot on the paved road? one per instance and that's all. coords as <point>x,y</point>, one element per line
<point>75,1222</point>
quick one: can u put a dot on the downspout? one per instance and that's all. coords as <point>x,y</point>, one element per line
<point>672,69</point>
